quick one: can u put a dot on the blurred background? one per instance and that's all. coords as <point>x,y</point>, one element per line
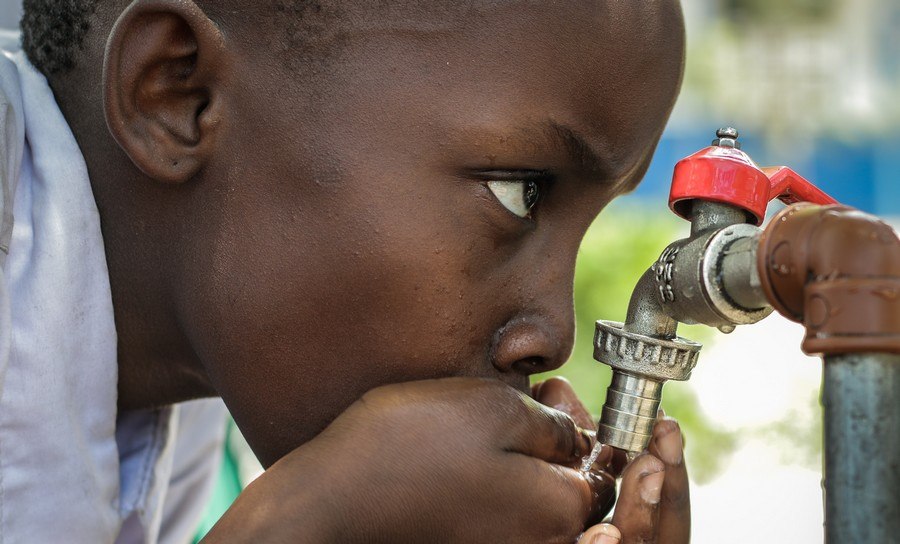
<point>811,84</point>
<point>10,13</point>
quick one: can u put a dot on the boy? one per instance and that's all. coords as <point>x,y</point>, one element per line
<point>355,223</point>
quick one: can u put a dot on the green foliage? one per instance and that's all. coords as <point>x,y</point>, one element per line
<point>799,433</point>
<point>773,11</point>
<point>618,248</point>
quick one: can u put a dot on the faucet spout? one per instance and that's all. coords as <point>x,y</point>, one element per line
<point>644,353</point>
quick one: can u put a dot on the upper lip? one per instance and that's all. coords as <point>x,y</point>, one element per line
<point>516,381</point>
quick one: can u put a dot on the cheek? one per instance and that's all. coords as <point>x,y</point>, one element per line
<point>314,308</point>
<point>404,279</point>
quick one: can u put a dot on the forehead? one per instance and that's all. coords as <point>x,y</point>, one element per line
<point>605,72</point>
<point>595,36</point>
<point>589,32</point>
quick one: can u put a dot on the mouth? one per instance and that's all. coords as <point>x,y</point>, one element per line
<point>516,381</point>
<point>519,382</point>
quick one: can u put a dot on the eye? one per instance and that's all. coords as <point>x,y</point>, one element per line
<point>517,196</point>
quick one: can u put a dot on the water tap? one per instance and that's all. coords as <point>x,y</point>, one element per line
<point>710,277</point>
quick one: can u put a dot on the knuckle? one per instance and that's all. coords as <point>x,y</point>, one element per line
<point>375,399</point>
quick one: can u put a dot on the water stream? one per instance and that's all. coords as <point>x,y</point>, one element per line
<point>589,459</point>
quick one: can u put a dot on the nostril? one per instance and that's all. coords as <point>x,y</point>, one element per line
<point>532,365</point>
<point>528,346</point>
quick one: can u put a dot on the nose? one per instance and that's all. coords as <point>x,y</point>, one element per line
<point>531,344</point>
<point>541,333</point>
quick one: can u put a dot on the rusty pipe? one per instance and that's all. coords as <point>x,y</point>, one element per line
<point>837,271</point>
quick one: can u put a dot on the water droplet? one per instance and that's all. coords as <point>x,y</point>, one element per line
<point>591,458</point>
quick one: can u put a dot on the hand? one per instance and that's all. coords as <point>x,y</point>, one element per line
<point>654,502</point>
<point>450,460</point>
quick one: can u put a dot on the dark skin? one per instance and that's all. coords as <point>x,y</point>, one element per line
<point>328,251</point>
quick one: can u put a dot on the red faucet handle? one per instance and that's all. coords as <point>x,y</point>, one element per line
<point>790,187</point>
<point>723,173</point>
<point>720,174</point>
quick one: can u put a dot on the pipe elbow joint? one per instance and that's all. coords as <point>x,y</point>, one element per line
<point>837,271</point>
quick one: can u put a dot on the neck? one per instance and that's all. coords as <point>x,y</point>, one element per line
<point>157,365</point>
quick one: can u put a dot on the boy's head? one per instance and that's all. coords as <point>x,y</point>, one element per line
<point>301,201</point>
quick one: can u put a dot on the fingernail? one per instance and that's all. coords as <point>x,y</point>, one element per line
<point>651,487</point>
<point>605,539</point>
<point>671,448</point>
<point>585,442</point>
<point>602,534</point>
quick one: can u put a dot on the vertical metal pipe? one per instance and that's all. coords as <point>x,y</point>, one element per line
<point>861,399</point>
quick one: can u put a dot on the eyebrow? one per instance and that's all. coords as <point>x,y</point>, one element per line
<point>587,156</point>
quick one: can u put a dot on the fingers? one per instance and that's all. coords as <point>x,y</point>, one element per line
<point>569,500</point>
<point>493,452</point>
<point>637,512</point>
<point>617,461</point>
<point>550,441</point>
<point>601,534</point>
<point>654,503</point>
<point>558,393</point>
<point>603,495</point>
<point>675,503</point>
<point>548,434</point>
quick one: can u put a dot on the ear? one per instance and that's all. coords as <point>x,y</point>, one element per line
<point>161,73</point>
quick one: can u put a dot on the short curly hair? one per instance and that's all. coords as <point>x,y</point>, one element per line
<point>53,31</point>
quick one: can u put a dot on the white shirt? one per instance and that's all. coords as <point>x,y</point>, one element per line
<point>71,468</point>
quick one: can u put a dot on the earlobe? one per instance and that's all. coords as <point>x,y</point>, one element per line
<point>161,70</point>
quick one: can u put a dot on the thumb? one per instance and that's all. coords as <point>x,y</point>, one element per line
<point>558,393</point>
<point>546,433</point>
<point>604,533</point>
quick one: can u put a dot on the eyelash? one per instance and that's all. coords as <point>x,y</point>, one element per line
<point>503,185</point>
